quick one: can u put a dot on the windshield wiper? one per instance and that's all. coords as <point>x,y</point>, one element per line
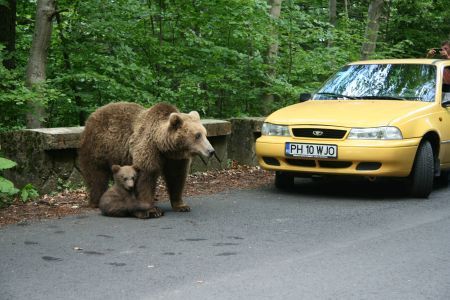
<point>337,96</point>
<point>382,97</point>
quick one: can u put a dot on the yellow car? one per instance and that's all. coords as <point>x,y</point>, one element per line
<point>378,118</point>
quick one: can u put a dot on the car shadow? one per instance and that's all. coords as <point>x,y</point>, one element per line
<point>354,188</point>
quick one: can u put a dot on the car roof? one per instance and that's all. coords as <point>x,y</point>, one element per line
<point>420,61</point>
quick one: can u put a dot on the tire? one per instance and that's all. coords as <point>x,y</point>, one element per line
<point>422,175</point>
<point>283,180</point>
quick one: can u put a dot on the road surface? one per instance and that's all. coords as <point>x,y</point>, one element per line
<point>323,240</point>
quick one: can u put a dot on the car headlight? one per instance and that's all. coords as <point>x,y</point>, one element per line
<point>272,129</point>
<point>377,133</point>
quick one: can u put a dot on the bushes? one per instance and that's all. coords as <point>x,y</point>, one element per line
<point>8,192</point>
<point>207,55</point>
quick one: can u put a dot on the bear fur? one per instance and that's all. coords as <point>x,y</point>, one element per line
<point>159,141</point>
<point>120,199</point>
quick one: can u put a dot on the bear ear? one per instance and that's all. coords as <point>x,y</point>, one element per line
<point>175,120</point>
<point>194,115</point>
<point>136,168</point>
<point>115,168</point>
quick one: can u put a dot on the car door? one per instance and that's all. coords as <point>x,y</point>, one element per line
<point>445,133</point>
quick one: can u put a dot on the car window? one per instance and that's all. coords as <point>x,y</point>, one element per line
<point>381,81</point>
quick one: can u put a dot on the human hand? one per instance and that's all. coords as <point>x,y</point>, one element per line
<point>431,52</point>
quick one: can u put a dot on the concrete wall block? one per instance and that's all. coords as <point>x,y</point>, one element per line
<point>75,178</point>
<point>63,162</point>
<point>59,138</point>
<point>241,145</point>
<point>25,148</point>
<point>217,127</point>
<point>50,185</point>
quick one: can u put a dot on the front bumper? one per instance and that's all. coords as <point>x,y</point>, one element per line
<point>355,157</point>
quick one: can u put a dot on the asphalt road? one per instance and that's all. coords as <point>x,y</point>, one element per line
<point>323,240</point>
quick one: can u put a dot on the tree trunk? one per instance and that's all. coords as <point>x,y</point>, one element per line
<point>8,31</point>
<point>271,56</point>
<point>332,18</point>
<point>37,62</point>
<point>375,10</point>
<point>332,12</point>
<point>346,8</point>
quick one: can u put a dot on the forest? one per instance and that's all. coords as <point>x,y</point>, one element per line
<point>62,59</point>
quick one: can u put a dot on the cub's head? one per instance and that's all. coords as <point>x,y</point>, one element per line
<point>187,135</point>
<point>125,176</point>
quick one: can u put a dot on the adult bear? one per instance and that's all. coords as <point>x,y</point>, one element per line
<point>158,141</point>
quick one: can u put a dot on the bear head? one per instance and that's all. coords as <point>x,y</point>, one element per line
<point>125,176</point>
<point>188,135</point>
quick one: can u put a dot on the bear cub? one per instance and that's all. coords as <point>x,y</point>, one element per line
<point>120,199</point>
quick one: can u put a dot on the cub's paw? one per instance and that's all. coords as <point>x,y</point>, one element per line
<point>182,208</point>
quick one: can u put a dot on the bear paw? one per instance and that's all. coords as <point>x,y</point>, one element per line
<point>155,212</point>
<point>142,214</point>
<point>182,208</point>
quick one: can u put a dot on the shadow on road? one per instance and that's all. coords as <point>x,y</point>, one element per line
<point>354,188</point>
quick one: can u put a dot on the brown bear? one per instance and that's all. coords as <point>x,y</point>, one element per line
<point>159,141</point>
<point>120,199</point>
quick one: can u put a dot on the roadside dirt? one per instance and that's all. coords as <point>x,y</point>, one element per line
<point>72,202</point>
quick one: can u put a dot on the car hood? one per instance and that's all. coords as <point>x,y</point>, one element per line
<point>347,113</point>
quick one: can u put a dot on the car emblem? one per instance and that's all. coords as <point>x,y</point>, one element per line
<point>317,133</point>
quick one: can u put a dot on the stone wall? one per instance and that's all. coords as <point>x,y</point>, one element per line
<point>241,145</point>
<point>47,157</point>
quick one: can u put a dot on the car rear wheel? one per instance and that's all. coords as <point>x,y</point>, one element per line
<point>283,180</point>
<point>422,175</point>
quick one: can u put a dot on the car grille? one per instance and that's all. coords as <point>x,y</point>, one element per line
<point>331,164</point>
<point>301,162</point>
<point>334,164</point>
<point>319,133</point>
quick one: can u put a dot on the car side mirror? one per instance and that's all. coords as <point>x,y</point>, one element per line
<point>445,100</point>
<point>446,103</point>
<point>305,97</point>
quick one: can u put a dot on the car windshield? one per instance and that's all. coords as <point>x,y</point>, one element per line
<point>381,82</point>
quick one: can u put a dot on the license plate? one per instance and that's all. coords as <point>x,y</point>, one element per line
<point>311,150</point>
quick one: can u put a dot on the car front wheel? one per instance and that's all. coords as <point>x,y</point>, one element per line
<point>422,175</point>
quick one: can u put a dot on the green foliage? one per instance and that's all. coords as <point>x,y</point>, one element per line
<point>13,95</point>
<point>7,189</point>
<point>6,164</point>
<point>205,55</point>
<point>423,30</point>
<point>64,185</point>
<point>28,192</point>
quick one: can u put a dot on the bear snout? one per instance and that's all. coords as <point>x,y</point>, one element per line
<point>211,152</point>
<point>207,151</point>
<point>129,185</point>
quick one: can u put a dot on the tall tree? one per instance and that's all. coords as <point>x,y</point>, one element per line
<point>37,61</point>
<point>8,30</point>
<point>371,34</point>
<point>272,53</point>
<point>346,8</point>
<point>332,16</point>
<point>332,12</point>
